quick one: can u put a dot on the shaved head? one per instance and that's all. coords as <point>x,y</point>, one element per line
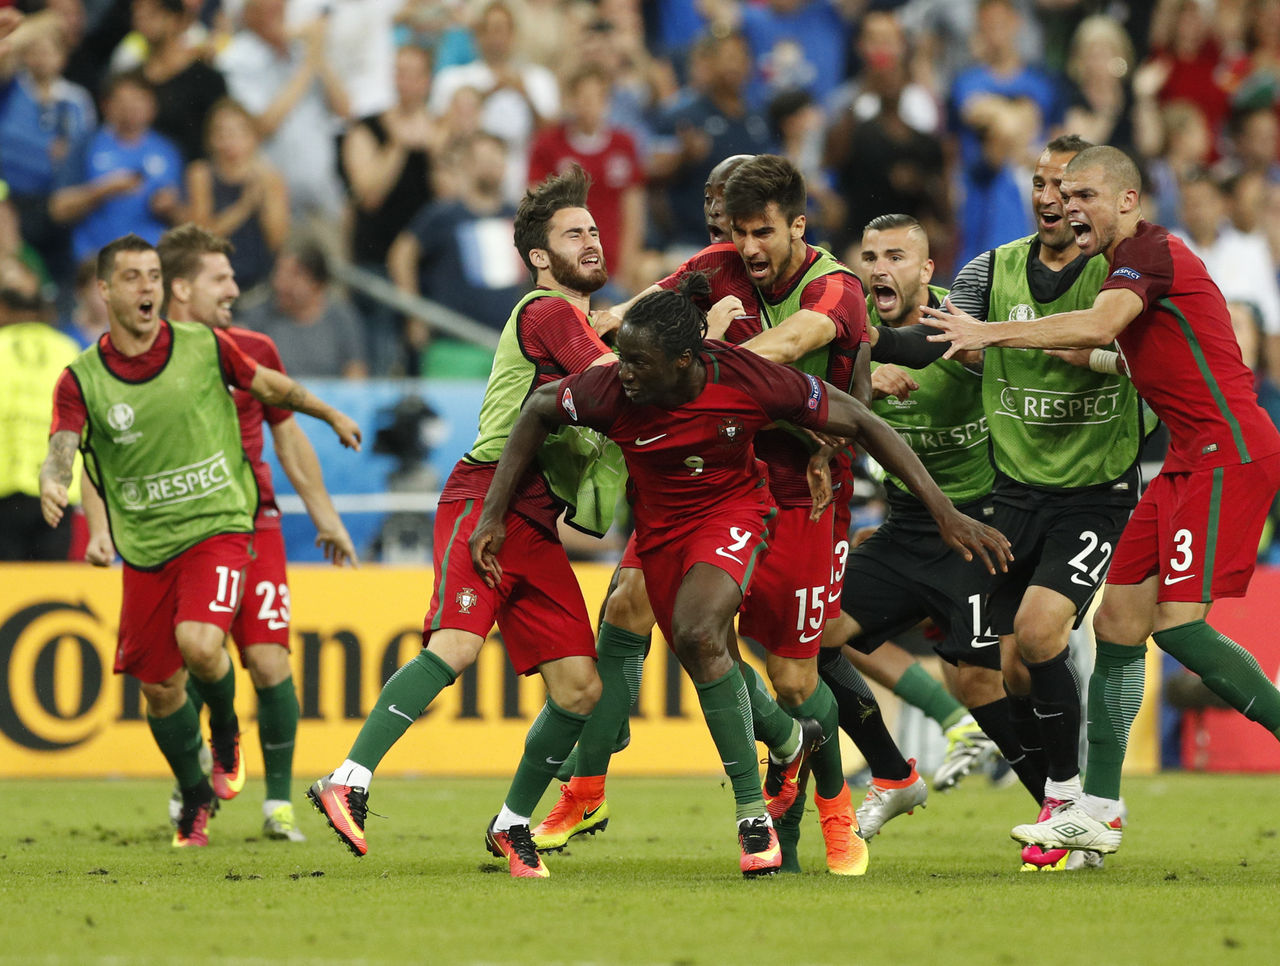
<point>1117,168</point>
<point>720,173</point>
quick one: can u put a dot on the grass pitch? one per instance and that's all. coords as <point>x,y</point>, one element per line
<point>87,875</point>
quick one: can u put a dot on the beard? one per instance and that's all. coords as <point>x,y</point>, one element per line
<point>567,273</point>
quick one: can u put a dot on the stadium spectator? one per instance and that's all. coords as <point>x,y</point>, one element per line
<point>519,97</point>
<point>796,122</point>
<point>296,100</point>
<point>238,193</point>
<point>795,44</point>
<point>185,86</point>
<point>609,157</point>
<point>710,119</point>
<point>360,48</point>
<point>124,177</point>
<point>457,251</point>
<point>32,354</point>
<point>389,161</point>
<point>1186,150</point>
<point>1254,142</point>
<point>1191,58</point>
<point>1239,264</point>
<point>883,148</point>
<point>1100,66</point>
<point>42,115</point>
<point>999,108</point>
<point>88,318</point>
<point>315,329</point>
<point>949,35</point>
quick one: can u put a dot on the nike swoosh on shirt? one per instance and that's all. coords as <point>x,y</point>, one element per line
<point>651,439</point>
<point>724,553</point>
<point>1168,581</point>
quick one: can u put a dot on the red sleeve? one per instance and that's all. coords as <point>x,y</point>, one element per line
<point>1143,264</point>
<point>554,330</point>
<point>592,398</point>
<point>270,357</point>
<point>236,366</point>
<point>710,260</point>
<point>69,412</point>
<point>839,296</point>
<point>781,391</point>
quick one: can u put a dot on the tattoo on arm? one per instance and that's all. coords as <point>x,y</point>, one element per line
<point>62,455</point>
<point>294,398</point>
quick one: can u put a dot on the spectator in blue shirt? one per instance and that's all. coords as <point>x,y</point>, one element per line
<point>41,116</point>
<point>795,45</point>
<point>123,178</point>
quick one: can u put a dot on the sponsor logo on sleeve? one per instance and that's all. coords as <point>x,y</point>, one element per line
<point>566,402</point>
<point>815,391</point>
<point>1126,272</point>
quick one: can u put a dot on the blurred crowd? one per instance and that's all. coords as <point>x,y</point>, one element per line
<point>398,135</point>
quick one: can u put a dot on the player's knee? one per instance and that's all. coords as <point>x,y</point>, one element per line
<point>698,645</point>
<point>976,685</point>
<point>165,697</point>
<point>1040,636</point>
<point>268,665</point>
<point>577,693</point>
<point>628,604</point>
<point>1120,625</point>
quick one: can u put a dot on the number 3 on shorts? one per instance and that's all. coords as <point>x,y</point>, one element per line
<point>1181,560</point>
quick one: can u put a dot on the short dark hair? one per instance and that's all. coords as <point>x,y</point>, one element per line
<point>311,258</point>
<point>672,316</point>
<point>1120,171</point>
<point>763,179</point>
<point>892,220</point>
<point>134,77</point>
<point>539,205</point>
<point>1067,144</point>
<point>182,250</point>
<point>125,243</point>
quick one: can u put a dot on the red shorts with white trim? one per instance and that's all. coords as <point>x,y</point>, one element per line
<point>785,610</point>
<point>733,540</point>
<point>538,607</point>
<point>264,613</point>
<point>1198,531</point>
<point>203,584</point>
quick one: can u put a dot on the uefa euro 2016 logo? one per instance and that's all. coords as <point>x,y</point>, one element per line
<point>120,417</point>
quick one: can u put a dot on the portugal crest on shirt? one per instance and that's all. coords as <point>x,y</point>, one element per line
<point>730,428</point>
<point>466,599</point>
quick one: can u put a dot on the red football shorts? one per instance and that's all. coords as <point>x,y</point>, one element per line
<point>630,555</point>
<point>1198,531</point>
<point>785,610</point>
<point>203,583</point>
<point>732,540</point>
<point>263,617</point>
<point>538,607</point>
<point>841,519</point>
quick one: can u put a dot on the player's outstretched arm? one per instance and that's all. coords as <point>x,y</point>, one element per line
<point>847,416</point>
<point>538,417</point>
<point>55,475</point>
<point>796,336</point>
<point>298,460</point>
<point>1097,325</point>
<point>100,550</point>
<point>276,389</point>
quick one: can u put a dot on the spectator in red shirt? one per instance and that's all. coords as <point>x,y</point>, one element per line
<point>608,154</point>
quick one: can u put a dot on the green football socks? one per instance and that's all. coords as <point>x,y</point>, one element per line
<point>922,690</point>
<point>620,664</point>
<point>828,772</point>
<point>277,733</point>
<point>1115,695</point>
<point>1229,671</point>
<point>771,722</point>
<point>403,699</point>
<point>550,739</point>
<point>219,696</point>
<point>178,738</point>
<point>727,708</point>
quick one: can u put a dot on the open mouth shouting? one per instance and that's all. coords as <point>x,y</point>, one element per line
<point>886,298</point>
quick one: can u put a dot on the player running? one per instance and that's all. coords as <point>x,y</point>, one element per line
<point>538,607</point>
<point>685,414</point>
<point>149,407</point>
<point>1194,536</point>
<point>200,286</point>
